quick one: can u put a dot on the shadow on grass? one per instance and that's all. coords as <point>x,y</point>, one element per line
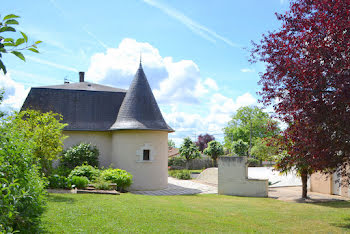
<point>333,204</point>
<point>345,225</point>
<point>337,204</point>
<point>57,198</point>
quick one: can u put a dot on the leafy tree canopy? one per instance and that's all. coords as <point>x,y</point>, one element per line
<point>12,45</point>
<point>249,121</point>
<point>308,72</point>
<point>189,150</point>
<point>240,148</point>
<point>264,150</point>
<point>214,150</point>
<point>202,141</point>
<point>44,130</point>
<point>171,144</point>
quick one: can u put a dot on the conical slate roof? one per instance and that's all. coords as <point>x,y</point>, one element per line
<point>139,109</point>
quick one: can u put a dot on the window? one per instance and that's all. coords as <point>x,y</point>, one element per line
<point>146,155</point>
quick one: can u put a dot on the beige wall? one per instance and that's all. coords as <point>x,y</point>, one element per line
<point>321,183</point>
<point>324,184</point>
<point>103,141</point>
<point>127,152</point>
<point>233,179</point>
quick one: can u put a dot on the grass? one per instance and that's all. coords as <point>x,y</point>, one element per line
<point>91,213</point>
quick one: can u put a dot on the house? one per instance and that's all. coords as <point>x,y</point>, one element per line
<point>173,152</point>
<point>126,125</point>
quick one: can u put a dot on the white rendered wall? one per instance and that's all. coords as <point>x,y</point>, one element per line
<point>233,179</point>
<point>103,141</point>
<point>127,150</point>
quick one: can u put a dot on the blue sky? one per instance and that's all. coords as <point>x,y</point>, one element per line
<point>195,53</point>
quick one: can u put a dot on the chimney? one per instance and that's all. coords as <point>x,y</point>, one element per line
<point>81,76</point>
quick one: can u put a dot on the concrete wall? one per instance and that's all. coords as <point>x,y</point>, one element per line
<point>326,184</point>
<point>233,179</point>
<point>103,141</point>
<point>320,183</point>
<point>128,146</point>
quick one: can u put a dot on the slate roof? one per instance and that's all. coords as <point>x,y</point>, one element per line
<point>140,109</point>
<point>87,106</point>
<point>83,110</point>
<point>88,86</point>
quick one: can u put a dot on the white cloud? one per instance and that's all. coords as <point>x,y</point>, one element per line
<point>210,83</point>
<point>220,111</point>
<point>245,70</point>
<point>15,93</point>
<point>195,27</point>
<point>118,65</point>
<point>172,81</point>
<point>183,83</point>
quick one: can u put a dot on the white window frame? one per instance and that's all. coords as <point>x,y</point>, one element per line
<point>139,153</point>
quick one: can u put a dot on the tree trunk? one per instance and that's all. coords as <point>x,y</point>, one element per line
<point>187,162</point>
<point>304,175</point>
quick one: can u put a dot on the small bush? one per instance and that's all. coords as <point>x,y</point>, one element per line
<point>177,162</point>
<point>57,181</point>
<point>22,193</point>
<point>61,171</point>
<point>253,162</point>
<point>180,174</point>
<point>79,154</point>
<point>80,181</point>
<point>88,171</point>
<point>122,178</point>
<point>102,184</point>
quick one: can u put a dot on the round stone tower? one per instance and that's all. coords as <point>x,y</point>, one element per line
<point>140,137</point>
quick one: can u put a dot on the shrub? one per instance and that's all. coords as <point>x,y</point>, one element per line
<point>101,184</point>
<point>57,181</point>
<point>61,170</point>
<point>253,162</point>
<point>180,174</point>
<point>22,193</point>
<point>79,154</point>
<point>44,130</point>
<point>122,178</point>
<point>88,171</point>
<point>177,162</point>
<point>80,181</point>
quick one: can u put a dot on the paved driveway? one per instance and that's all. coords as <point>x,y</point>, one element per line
<point>181,187</point>
<point>188,187</point>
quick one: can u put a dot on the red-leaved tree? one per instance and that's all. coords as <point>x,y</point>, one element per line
<point>202,141</point>
<point>307,79</point>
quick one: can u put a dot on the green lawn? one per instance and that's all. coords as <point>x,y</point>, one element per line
<point>89,213</point>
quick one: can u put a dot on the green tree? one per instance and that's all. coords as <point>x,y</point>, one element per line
<point>214,150</point>
<point>263,150</point>
<point>240,148</point>
<point>13,45</point>
<point>1,97</point>
<point>249,124</point>
<point>44,130</point>
<point>189,150</point>
<point>171,144</point>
